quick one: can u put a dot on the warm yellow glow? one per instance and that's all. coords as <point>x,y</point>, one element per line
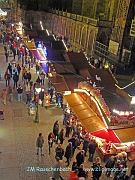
<point>133,100</point>
<point>99,111</point>
<point>38,90</point>
<point>67,93</point>
<point>83,91</point>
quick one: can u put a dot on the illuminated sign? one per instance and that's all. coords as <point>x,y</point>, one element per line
<point>122,113</point>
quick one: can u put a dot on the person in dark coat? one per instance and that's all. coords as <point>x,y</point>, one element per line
<point>92,148</point>
<point>59,152</point>
<point>29,76</point>
<point>81,172</point>
<point>120,172</point>
<point>85,145</point>
<point>68,129</point>
<point>80,158</point>
<point>18,69</point>
<point>10,69</point>
<point>16,79</point>
<point>56,131</point>
<point>74,166</point>
<point>14,52</point>
<point>50,141</point>
<point>38,80</point>
<point>97,169</point>
<point>41,97</point>
<point>132,173</point>
<point>73,140</point>
<point>109,166</point>
<point>61,136</point>
<point>68,153</point>
<point>6,55</point>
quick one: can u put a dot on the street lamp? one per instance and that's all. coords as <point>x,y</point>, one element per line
<point>36,120</point>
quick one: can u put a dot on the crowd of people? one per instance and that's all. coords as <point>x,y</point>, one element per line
<point>102,63</point>
<point>82,147</point>
<point>18,79</point>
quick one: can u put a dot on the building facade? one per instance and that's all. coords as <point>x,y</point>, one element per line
<point>85,23</point>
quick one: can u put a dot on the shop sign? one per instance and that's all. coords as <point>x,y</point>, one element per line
<point>132,30</point>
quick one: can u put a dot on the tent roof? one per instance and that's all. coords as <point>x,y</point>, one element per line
<point>85,114</point>
<point>78,60</point>
<point>109,135</point>
<point>37,54</point>
<point>126,135</point>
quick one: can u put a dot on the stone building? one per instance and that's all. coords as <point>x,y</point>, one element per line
<point>98,26</point>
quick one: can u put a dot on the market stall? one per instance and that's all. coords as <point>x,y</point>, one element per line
<point>92,111</point>
<point>84,113</point>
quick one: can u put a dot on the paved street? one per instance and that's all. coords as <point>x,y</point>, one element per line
<point>17,136</point>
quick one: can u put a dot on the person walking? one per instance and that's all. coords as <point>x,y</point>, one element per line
<point>29,76</point>
<point>82,173</point>
<point>38,80</point>
<point>59,152</point>
<point>7,77</point>
<point>15,79</point>
<point>68,153</point>
<point>6,55</point>
<point>50,141</point>
<point>41,96</point>
<point>42,77</point>
<point>120,171</point>
<point>10,69</point>
<point>28,92</point>
<point>10,92</point>
<point>80,158</point>
<point>68,129</point>
<point>56,131</point>
<point>97,169</point>
<point>56,174</point>
<point>74,141</point>
<point>109,166</point>
<point>132,172</point>
<point>92,148</point>
<point>14,52</point>
<point>24,71</point>
<point>61,136</point>
<point>37,68</point>
<point>18,68</point>
<point>20,92</point>
<point>39,144</point>
<point>4,95</point>
<point>86,144</point>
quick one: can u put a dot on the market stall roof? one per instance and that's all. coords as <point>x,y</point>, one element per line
<point>55,55</point>
<point>126,135</point>
<point>37,54</point>
<point>30,44</point>
<point>86,115</point>
<point>72,80</point>
<point>59,83</point>
<point>114,101</point>
<point>56,79</point>
<point>107,80</point>
<point>108,135</point>
<point>64,68</point>
<point>130,90</point>
<point>78,60</point>
<point>61,87</point>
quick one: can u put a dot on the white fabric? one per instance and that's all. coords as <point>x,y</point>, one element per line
<point>3,13</point>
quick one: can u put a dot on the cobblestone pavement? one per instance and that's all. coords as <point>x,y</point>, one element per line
<point>18,133</point>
